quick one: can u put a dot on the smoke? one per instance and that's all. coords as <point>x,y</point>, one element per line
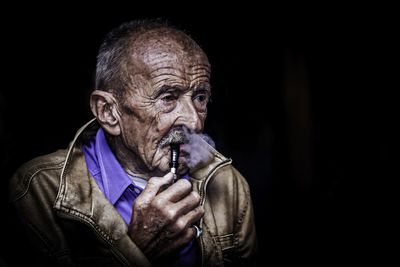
<point>198,151</point>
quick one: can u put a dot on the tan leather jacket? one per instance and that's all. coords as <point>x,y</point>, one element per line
<point>70,220</point>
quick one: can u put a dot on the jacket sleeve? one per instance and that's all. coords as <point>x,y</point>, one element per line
<point>31,193</point>
<point>245,238</point>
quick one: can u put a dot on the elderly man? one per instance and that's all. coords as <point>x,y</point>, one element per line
<point>140,184</point>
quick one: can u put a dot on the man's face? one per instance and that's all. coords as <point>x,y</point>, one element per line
<point>171,92</point>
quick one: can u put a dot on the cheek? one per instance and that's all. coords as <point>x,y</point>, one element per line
<point>159,127</point>
<point>132,133</point>
<point>163,122</point>
<point>143,132</point>
<point>150,135</point>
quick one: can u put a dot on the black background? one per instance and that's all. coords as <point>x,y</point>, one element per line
<point>303,102</point>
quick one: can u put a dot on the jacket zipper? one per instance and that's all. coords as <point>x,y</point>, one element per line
<point>203,189</point>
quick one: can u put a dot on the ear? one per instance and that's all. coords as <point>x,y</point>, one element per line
<point>104,107</point>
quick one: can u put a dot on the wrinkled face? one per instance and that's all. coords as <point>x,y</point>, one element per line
<point>172,91</point>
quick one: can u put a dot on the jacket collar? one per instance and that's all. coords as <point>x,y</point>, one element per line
<point>213,162</point>
<point>80,197</point>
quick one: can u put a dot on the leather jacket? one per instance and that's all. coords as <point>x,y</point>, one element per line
<point>72,223</point>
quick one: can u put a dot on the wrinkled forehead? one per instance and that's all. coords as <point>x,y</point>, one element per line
<point>168,61</point>
<point>168,48</point>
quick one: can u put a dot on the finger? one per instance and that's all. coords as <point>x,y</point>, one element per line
<point>185,222</point>
<point>176,191</point>
<point>191,201</point>
<point>153,187</point>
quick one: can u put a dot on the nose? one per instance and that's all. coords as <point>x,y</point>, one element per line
<point>188,115</point>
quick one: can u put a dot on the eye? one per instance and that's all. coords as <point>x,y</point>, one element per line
<point>201,96</point>
<point>201,99</point>
<point>168,97</point>
<point>167,101</point>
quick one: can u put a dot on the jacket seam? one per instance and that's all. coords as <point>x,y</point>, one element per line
<point>240,220</point>
<point>62,187</point>
<point>243,212</point>
<point>58,165</point>
<point>210,176</point>
<point>216,243</point>
<point>90,223</point>
<point>226,237</point>
<point>83,217</point>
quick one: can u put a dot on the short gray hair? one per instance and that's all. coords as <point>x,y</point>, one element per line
<point>113,55</point>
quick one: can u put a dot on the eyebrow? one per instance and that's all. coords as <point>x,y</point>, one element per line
<point>203,87</point>
<point>165,88</point>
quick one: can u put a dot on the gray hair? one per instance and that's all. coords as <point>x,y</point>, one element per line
<point>113,58</point>
<point>113,55</point>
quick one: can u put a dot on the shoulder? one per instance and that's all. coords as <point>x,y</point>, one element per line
<point>227,202</point>
<point>43,171</point>
<point>229,178</point>
<point>228,192</point>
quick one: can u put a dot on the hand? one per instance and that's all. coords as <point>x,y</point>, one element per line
<point>162,219</point>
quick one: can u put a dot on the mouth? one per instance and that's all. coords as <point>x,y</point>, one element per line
<point>177,159</point>
<point>183,153</point>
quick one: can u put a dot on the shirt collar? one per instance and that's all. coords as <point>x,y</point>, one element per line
<point>113,177</point>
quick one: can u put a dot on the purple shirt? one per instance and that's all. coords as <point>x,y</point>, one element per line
<point>121,190</point>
